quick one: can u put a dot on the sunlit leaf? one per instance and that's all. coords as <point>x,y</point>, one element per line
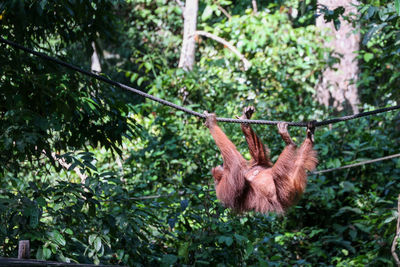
<point>207,13</point>
<point>397,6</point>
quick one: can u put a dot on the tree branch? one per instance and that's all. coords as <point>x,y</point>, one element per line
<point>246,63</point>
<point>396,236</point>
<point>223,10</point>
<point>66,166</point>
<point>254,3</point>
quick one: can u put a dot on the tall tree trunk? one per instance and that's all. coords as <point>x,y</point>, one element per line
<point>95,66</point>
<point>186,60</point>
<point>338,88</point>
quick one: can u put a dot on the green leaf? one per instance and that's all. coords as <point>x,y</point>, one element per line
<point>39,254</point>
<point>169,259</point>
<point>183,250</point>
<point>58,238</point>
<point>73,165</point>
<point>97,243</point>
<point>34,217</point>
<point>69,231</point>
<point>90,165</point>
<point>275,258</point>
<point>148,66</point>
<point>92,237</point>
<point>345,252</point>
<point>43,4</point>
<point>96,260</point>
<point>207,13</point>
<point>134,77</point>
<point>140,80</point>
<point>46,253</point>
<point>397,6</point>
<point>249,248</point>
<point>371,11</point>
<point>389,219</point>
<point>337,24</point>
<point>41,201</point>
<point>368,57</point>
<point>225,239</point>
<point>240,238</point>
<point>374,29</point>
<point>362,227</point>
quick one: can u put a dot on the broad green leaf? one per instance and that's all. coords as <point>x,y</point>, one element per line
<point>46,253</point>
<point>249,249</point>
<point>207,13</point>
<point>134,76</point>
<point>140,80</point>
<point>148,66</point>
<point>368,57</point>
<point>97,243</point>
<point>91,239</point>
<point>96,260</point>
<point>39,254</point>
<point>58,238</point>
<point>69,231</point>
<point>389,219</point>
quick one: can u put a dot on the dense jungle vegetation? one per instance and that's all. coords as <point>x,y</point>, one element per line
<point>91,173</point>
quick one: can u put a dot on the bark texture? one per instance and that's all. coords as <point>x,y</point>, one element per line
<point>186,60</point>
<point>337,88</point>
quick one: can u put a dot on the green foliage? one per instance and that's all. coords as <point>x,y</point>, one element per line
<point>380,52</point>
<point>73,222</point>
<point>154,203</point>
<point>332,15</point>
<point>43,107</point>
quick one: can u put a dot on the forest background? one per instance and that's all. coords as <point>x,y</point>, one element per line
<point>94,174</point>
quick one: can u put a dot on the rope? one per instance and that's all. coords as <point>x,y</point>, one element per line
<point>356,164</point>
<point>194,113</point>
<point>355,116</point>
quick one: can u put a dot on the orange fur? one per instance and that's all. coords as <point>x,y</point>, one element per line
<point>258,184</point>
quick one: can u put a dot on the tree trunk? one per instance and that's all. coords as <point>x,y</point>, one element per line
<point>337,88</point>
<point>186,60</point>
<point>95,66</point>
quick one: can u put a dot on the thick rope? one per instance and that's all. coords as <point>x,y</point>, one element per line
<point>355,116</point>
<point>167,103</point>
<point>356,164</point>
